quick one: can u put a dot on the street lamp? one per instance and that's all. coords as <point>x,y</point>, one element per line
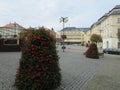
<point>63,20</point>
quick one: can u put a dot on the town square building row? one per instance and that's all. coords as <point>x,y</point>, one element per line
<point>108,26</point>
<point>14,31</point>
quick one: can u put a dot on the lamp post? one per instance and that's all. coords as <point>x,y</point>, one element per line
<point>63,20</point>
<point>15,30</point>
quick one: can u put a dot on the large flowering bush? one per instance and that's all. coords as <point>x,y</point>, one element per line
<point>39,66</point>
<point>92,51</point>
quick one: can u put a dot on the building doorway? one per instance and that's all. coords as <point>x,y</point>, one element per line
<point>107,43</point>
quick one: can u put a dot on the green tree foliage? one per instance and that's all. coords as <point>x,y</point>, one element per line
<point>39,64</point>
<point>92,51</point>
<point>23,34</point>
<point>96,38</point>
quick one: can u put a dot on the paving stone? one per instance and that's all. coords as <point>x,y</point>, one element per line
<point>76,69</point>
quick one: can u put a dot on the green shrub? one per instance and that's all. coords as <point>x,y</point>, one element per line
<point>92,51</point>
<point>39,64</point>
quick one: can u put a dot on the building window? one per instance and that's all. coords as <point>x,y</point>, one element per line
<point>118,34</point>
<point>118,44</point>
<point>10,41</point>
<point>118,20</point>
<point>118,30</point>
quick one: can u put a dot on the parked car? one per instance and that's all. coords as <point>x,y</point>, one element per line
<point>111,51</point>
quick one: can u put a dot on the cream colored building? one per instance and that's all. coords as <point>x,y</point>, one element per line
<point>87,36</point>
<point>108,26</point>
<point>11,30</point>
<point>74,35</point>
<point>10,33</point>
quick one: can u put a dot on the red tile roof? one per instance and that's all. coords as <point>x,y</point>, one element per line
<point>11,25</point>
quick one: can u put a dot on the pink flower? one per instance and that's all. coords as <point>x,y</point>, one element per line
<point>38,74</point>
<point>17,71</point>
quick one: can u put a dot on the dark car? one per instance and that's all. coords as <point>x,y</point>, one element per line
<point>111,51</point>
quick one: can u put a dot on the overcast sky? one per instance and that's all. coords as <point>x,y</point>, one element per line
<point>35,13</point>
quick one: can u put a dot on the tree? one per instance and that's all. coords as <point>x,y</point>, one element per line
<point>39,64</point>
<point>24,33</point>
<point>96,38</point>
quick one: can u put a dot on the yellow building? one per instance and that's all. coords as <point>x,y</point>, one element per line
<point>87,36</point>
<point>108,27</point>
<point>74,35</point>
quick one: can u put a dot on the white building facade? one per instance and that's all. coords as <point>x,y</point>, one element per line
<point>108,27</point>
<point>11,30</point>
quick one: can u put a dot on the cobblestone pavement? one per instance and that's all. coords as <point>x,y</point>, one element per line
<point>8,64</point>
<point>108,76</point>
<point>76,69</point>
